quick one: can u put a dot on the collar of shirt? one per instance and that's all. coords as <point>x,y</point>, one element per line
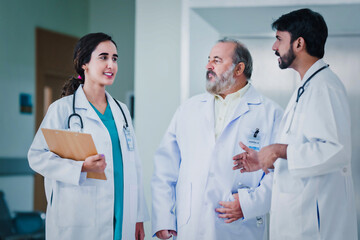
<point>224,108</point>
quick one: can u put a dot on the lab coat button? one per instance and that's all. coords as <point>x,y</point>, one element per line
<point>344,169</point>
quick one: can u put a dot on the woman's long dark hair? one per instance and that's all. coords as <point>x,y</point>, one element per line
<point>82,55</point>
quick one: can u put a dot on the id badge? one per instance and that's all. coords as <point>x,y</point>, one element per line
<point>129,139</point>
<point>254,141</point>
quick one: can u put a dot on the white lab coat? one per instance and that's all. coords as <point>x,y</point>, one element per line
<point>78,207</point>
<point>193,171</point>
<point>317,173</point>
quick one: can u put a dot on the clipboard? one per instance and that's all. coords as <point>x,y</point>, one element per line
<point>72,145</point>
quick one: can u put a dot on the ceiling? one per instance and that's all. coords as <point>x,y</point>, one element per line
<point>256,21</point>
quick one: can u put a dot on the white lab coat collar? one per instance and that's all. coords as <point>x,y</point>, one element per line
<point>81,102</point>
<point>251,97</point>
<point>316,66</point>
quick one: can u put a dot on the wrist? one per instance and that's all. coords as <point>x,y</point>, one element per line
<point>281,151</point>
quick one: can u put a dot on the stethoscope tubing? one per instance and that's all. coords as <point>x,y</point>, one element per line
<point>301,91</point>
<point>74,114</point>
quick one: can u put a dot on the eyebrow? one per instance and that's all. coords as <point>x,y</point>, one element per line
<point>216,57</point>
<point>106,54</point>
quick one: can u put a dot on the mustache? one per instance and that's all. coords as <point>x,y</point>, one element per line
<point>210,72</point>
<point>277,53</point>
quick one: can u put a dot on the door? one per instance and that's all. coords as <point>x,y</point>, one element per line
<point>54,66</point>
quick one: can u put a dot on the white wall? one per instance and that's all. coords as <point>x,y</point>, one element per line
<point>18,20</point>
<point>17,62</point>
<point>201,44</point>
<point>117,18</point>
<point>157,77</point>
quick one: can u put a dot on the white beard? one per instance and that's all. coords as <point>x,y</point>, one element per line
<point>223,83</point>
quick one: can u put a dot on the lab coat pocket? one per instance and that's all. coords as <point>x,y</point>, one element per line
<point>76,206</point>
<point>133,202</point>
<point>288,183</point>
<point>183,204</point>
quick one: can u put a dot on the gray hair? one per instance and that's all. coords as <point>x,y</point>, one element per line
<point>241,54</point>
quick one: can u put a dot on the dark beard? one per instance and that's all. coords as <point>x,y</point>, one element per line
<point>287,59</point>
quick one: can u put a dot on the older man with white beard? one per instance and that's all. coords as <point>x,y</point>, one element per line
<point>193,180</point>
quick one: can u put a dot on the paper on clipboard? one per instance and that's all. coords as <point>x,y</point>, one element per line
<point>72,145</point>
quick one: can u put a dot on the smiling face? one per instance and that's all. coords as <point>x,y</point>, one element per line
<point>220,68</point>
<point>284,49</point>
<point>102,67</point>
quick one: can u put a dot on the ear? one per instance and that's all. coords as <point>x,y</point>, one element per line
<point>299,44</point>
<point>239,69</point>
<point>84,67</point>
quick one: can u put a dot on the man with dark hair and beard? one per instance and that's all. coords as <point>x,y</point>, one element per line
<point>193,181</point>
<point>312,157</point>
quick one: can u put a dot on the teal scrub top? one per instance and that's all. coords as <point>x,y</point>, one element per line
<point>108,120</point>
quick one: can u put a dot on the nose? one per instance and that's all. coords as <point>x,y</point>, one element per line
<point>110,64</point>
<point>209,66</point>
<point>275,46</point>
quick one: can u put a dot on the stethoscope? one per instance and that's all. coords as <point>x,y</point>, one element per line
<point>301,91</point>
<point>74,114</point>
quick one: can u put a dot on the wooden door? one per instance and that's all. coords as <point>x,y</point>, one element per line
<point>54,54</point>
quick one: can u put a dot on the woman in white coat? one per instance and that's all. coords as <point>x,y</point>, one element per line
<point>80,207</point>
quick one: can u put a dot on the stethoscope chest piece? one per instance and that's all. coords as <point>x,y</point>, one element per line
<point>126,128</point>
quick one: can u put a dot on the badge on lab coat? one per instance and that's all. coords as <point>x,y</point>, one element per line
<point>129,139</point>
<point>254,140</point>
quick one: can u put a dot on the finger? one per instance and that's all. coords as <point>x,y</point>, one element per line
<point>244,147</point>
<point>237,167</point>
<point>164,235</point>
<point>221,210</point>
<point>265,170</point>
<point>239,156</point>
<point>237,161</point>
<point>225,215</point>
<point>225,204</point>
<point>238,164</point>
<point>174,233</point>
<point>160,234</point>
<point>236,197</point>
<point>231,220</point>
<point>96,157</point>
